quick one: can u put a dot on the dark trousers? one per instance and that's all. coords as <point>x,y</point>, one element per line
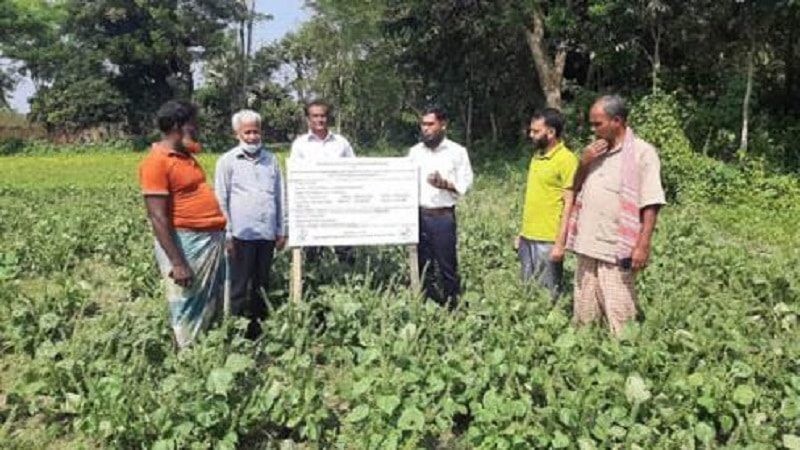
<point>250,266</point>
<point>437,255</point>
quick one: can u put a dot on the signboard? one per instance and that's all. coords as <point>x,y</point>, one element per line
<point>352,201</point>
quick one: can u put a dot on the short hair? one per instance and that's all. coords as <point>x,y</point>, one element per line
<point>318,102</point>
<point>552,118</point>
<point>437,111</point>
<point>614,106</point>
<point>245,116</point>
<point>174,114</point>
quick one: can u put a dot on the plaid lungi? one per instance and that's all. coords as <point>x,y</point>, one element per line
<point>193,308</point>
<point>606,289</point>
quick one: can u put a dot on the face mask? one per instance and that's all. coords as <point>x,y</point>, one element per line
<point>249,148</point>
<point>432,140</point>
<point>191,146</point>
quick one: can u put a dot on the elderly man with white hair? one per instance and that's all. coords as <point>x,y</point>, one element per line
<point>249,188</point>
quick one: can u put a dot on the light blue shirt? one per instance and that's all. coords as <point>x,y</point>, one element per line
<point>250,193</point>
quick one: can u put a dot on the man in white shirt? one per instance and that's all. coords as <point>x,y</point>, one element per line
<point>321,143</point>
<point>445,174</point>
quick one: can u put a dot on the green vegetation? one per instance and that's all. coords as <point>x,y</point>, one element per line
<point>103,68</point>
<point>86,359</point>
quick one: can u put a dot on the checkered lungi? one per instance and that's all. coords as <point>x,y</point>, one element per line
<point>603,288</point>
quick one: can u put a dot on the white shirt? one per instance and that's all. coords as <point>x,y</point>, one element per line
<point>452,162</point>
<point>309,146</point>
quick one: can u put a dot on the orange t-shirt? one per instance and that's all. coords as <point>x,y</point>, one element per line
<point>193,205</point>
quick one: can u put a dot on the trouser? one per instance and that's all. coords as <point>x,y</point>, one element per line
<point>534,258</point>
<point>437,255</point>
<point>250,267</point>
<point>603,288</point>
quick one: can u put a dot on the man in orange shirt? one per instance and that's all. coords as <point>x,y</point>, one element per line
<point>188,224</point>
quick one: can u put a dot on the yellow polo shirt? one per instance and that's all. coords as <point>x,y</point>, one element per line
<point>548,176</point>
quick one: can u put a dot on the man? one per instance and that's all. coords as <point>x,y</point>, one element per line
<point>445,174</point>
<point>249,188</point>
<point>321,143</point>
<point>187,222</point>
<point>548,196</point>
<point>619,195</point>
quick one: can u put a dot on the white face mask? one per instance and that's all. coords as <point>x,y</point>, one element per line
<point>249,148</point>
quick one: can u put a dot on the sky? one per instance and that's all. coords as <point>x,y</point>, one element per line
<point>287,16</point>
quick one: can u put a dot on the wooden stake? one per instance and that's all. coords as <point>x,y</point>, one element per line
<point>226,293</point>
<point>413,267</point>
<point>296,289</point>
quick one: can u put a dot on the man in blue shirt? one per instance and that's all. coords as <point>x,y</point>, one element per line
<point>249,188</point>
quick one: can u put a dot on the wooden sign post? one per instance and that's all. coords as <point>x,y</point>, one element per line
<point>352,202</point>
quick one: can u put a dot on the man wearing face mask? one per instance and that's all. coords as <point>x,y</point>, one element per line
<point>445,174</point>
<point>188,225</point>
<point>249,188</point>
<point>548,197</point>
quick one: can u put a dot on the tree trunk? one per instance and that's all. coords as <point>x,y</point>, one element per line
<point>549,69</point>
<point>656,57</point>
<point>493,123</point>
<point>746,103</point>
<point>242,63</point>
<point>791,72</point>
<point>248,50</point>
<point>469,120</point>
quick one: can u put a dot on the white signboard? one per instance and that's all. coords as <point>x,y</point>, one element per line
<point>352,201</point>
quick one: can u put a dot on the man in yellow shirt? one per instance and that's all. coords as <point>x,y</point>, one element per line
<point>548,197</point>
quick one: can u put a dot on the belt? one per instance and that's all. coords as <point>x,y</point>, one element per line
<point>438,211</point>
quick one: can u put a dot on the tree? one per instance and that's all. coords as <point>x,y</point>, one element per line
<point>143,51</point>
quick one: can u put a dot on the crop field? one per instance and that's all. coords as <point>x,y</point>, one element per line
<point>86,359</point>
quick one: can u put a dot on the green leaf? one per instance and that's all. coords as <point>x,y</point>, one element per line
<point>236,362</point>
<point>791,441</point>
<point>726,422</point>
<point>560,440</point>
<point>566,341</point>
<point>361,386</point>
<point>358,414</point>
<point>705,432</point>
<point>219,381</point>
<point>696,379</point>
<point>48,321</point>
<point>586,444</point>
<point>497,356</point>
<point>164,444</point>
<point>635,390</point>
<point>412,419</point>
<point>744,395</point>
<point>388,403</point>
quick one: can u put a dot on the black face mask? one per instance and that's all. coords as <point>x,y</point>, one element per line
<point>432,140</point>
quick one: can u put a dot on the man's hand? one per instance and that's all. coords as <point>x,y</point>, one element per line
<point>557,253</point>
<point>230,247</point>
<point>516,242</point>
<point>182,275</point>
<point>435,179</point>
<point>280,243</point>
<point>640,256</point>
<point>593,150</point>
